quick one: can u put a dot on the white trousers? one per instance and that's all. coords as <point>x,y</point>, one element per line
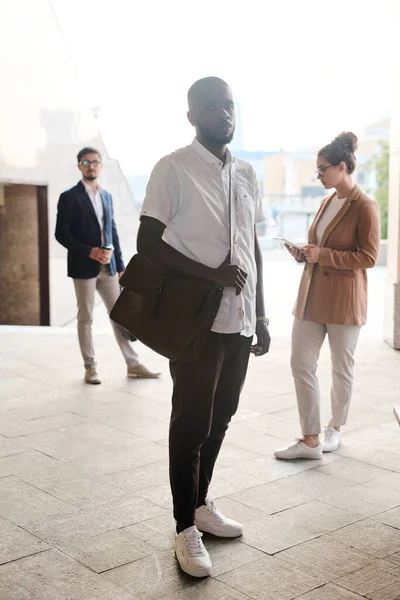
<point>307,340</point>
<point>108,289</point>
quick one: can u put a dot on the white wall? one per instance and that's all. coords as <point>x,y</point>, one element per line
<point>44,121</point>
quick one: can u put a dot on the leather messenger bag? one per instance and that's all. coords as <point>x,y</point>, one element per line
<point>170,314</point>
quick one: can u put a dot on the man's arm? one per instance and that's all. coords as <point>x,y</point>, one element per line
<point>262,332</point>
<point>151,245</point>
<point>260,307</point>
<point>115,240</point>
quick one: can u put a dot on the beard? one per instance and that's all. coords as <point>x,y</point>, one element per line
<point>214,137</point>
<point>90,177</point>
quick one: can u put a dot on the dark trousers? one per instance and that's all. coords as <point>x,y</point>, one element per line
<point>205,397</point>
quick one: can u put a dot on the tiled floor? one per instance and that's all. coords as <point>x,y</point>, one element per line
<point>85,507</point>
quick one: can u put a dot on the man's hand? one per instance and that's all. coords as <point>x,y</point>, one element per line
<point>120,274</point>
<point>100,255</point>
<point>263,339</point>
<point>312,253</point>
<point>230,276</point>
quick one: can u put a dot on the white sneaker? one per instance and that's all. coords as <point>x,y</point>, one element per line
<point>91,376</point>
<point>299,450</point>
<point>210,520</point>
<point>331,441</point>
<point>191,554</point>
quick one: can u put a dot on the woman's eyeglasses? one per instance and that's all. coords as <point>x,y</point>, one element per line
<point>321,170</point>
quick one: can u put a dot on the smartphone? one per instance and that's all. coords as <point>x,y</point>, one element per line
<point>291,244</point>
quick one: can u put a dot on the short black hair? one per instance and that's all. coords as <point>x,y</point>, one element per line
<point>197,88</point>
<point>87,150</point>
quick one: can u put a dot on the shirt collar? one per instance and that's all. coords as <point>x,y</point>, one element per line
<point>89,189</point>
<point>208,157</point>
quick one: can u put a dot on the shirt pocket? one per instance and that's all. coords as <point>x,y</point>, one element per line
<point>245,208</point>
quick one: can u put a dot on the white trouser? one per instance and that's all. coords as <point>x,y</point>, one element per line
<point>307,339</point>
<point>108,288</point>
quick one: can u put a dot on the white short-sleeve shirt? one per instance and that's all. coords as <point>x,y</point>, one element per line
<point>188,192</point>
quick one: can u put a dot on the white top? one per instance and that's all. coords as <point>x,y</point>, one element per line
<point>188,191</point>
<point>330,213</point>
<point>97,205</point>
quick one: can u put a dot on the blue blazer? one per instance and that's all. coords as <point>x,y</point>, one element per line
<point>78,229</point>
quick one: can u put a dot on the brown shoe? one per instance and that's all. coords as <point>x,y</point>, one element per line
<point>140,372</point>
<point>91,376</point>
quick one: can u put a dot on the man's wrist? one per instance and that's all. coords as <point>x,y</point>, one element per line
<point>263,320</point>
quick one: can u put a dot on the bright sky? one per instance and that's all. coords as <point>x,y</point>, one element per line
<point>302,70</point>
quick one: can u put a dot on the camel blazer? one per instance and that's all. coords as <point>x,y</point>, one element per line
<point>334,291</point>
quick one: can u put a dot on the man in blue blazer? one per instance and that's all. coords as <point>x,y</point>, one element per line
<point>86,227</point>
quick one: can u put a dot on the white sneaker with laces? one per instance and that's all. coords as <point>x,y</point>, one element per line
<point>299,450</point>
<point>331,441</point>
<point>210,520</point>
<point>92,376</point>
<point>191,554</point>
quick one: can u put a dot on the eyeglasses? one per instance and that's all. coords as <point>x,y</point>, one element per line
<point>88,163</point>
<point>321,170</point>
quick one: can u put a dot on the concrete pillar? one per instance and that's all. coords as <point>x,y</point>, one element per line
<point>392,284</point>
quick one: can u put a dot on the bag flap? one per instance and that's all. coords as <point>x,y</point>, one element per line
<point>183,295</point>
<point>144,277</point>
<point>186,295</point>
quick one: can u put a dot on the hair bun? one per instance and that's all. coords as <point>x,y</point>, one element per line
<point>346,140</point>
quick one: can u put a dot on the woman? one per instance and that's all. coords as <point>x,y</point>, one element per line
<point>332,300</point>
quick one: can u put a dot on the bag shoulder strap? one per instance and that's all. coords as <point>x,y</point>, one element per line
<point>232,204</point>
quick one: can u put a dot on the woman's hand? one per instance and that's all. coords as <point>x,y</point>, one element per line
<point>297,254</point>
<point>312,253</point>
